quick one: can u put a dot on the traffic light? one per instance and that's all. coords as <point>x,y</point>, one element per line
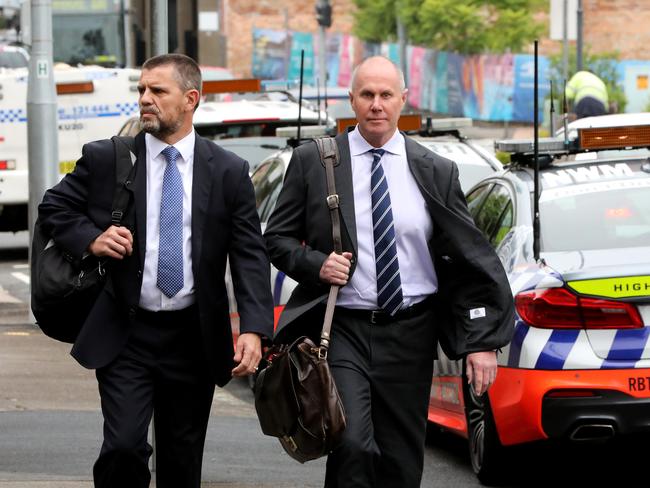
<point>324,14</point>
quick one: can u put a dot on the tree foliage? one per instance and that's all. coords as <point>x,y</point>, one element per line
<point>463,26</point>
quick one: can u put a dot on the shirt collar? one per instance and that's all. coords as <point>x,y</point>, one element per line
<point>185,146</point>
<point>358,145</point>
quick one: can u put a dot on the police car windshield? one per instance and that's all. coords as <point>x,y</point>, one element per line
<point>596,215</point>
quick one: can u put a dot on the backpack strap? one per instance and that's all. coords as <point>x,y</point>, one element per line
<point>125,158</point>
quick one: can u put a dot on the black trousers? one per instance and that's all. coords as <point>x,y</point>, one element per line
<point>590,107</point>
<point>161,371</point>
<point>383,373</point>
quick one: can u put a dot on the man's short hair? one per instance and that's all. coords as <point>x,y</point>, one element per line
<point>400,73</point>
<point>187,71</point>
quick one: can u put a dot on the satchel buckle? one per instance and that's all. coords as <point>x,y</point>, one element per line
<point>322,353</point>
<point>289,440</point>
<point>333,201</point>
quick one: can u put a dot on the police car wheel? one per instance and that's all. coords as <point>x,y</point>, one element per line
<point>486,452</point>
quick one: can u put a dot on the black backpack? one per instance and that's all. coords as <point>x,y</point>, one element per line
<point>63,290</point>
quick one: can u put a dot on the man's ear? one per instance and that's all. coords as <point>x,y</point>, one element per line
<point>404,94</point>
<point>192,97</point>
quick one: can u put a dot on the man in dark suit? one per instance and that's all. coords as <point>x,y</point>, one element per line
<point>159,334</point>
<point>415,271</point>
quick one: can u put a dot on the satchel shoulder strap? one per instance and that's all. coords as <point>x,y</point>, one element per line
<point>329,154</point>
<point>125,157</point>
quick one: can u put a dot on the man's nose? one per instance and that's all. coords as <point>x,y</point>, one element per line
<point>145,97</point>
<point>376,103</point>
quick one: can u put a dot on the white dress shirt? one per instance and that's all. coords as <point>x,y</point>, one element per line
<point>413,226</point>
<point>151,298</point>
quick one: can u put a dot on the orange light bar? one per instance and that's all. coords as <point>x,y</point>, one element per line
<point>406,122</point>
<point>71,88</point>
<point>614,137</point>
<point>231,86</point>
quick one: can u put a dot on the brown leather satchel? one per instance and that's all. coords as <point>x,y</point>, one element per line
<point>295,395</point>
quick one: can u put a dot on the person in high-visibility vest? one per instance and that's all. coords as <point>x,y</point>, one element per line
<point>588,94</point>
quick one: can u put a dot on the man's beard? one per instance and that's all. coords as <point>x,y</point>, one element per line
<point>157,127</point>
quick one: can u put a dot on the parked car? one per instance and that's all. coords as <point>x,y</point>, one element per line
<point>578,365</point>
<point>13,57</point>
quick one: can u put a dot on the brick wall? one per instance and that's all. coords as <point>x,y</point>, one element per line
<point>621,25</point>
<point>241,16</point>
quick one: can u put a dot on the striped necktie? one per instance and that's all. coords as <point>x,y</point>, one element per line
<point>389,284</point>
<point>170,250</point>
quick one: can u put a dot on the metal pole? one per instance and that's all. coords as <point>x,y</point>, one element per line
<point>128,34</point>
<point>579,37</point>
<point>401,41</point>
<point>565,39</point>
<point>322,60</point>
<point>26,24</point>
<point>159,38</point>
<point>322,47</point>
<point>42,124</point>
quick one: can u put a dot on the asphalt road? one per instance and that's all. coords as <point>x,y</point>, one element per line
<point>50,424</point>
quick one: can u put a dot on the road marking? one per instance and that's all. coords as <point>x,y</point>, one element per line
<point>21,277</point>
<point>22,334</point>
<point>21,266</point>
<point>6,297</point>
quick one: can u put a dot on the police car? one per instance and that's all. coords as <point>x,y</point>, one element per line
<point>92,103</point>
<point>578,366</point>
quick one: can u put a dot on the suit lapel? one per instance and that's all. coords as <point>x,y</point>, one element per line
<point>201,182</point>
<point>422,168</point>
<point>343,177</point>
<point>140,189</point>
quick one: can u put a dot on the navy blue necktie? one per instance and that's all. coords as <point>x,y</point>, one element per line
<point>170,249</point>
<point>389,284</point>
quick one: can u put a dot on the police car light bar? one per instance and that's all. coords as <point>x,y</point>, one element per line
<point>526,146</point>
<point>596,138</point>
<point>305,131</point>
<point>232,86</point>
<point>406,123</point>
<point>450,123</point>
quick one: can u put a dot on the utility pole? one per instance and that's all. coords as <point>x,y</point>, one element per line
<point>42,123</point>
<point>579,37</point>
<point>324,18</point>
<point>160,37</point>
<point>565,39</point>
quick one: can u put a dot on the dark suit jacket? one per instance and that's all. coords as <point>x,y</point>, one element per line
<point>224,224</point>
<point>469,272</point>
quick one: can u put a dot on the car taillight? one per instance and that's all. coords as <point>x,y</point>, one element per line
<point>558,308</point>
<point>7,164</point>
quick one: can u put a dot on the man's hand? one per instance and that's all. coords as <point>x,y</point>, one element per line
<point>247,354</point>
<point>115,242</point>
<point>336,269</point>
<point>481,370</point>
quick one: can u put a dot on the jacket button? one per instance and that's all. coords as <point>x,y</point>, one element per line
<point>139,273</point>
<point>132,311</point>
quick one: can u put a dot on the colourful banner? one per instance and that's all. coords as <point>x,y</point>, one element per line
<point>270,52</point>
<point>302,41</point>
<point>485,87</point>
